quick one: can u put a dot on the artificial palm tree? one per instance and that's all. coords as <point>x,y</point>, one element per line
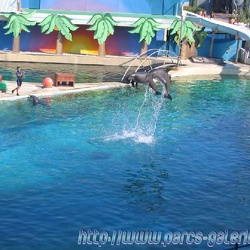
<point>62,25</point>
<point>187,35</point>
<point>146,27</point>
<point>103,26</point>
<point>16,23</point>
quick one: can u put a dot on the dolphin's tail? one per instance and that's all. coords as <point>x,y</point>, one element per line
<point>168,96</point>
<point>132,83</point>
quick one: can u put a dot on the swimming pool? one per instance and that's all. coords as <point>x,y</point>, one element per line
<point>123,159</point>
<point>36,72</point>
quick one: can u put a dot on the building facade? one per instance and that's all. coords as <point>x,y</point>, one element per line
<point>122,42</point>
<point>125,12</point>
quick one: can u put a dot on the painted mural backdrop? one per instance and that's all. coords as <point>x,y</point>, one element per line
<point>121,43</point>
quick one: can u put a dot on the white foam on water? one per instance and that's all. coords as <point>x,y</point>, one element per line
<point>147,139</point>
<point>136,136</point>
<point>120,136</point>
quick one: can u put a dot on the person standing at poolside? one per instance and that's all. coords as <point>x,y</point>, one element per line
<point>19,80</point>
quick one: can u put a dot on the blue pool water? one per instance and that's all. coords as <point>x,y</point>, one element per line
<point>123,159</point>
<point>36,72</point>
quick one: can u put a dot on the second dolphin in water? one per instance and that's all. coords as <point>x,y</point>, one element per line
<point>36,100</point>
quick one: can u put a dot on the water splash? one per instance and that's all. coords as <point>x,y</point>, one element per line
<point>143,103</point>
<point>157,109</point>
<point>146,121</point>
<point>136,136</point>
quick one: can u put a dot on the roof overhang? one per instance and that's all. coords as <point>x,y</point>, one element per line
<point>82,18</point>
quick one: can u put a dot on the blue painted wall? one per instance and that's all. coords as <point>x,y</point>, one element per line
<point>225,46</point>
<point>156,7</point>
<point>34,4</point>
<point>6,41</point>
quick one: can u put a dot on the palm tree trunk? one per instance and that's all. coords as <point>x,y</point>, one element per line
<point>192,51</point>
<point>184,51</point>
<point>144,48</point>
<point>102,49</point>
<point>59,43</point>
<point>16,45</point>
<point>18,5</point>
<point>188,51</point>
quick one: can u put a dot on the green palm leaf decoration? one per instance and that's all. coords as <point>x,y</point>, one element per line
<point>200,37</point>
<point>186,30</point>
<point>102,25</point>
<point>18,22</point>
<point>58,22</point>
<point>146,27</point>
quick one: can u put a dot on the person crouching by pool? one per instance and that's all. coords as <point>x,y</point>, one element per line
<point>19,80</point>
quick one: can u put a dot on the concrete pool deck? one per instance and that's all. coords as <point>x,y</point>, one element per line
<point>187,70</point>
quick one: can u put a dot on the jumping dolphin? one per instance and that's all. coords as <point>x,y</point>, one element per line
<point>36,100</point>
<point>149,78</point>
